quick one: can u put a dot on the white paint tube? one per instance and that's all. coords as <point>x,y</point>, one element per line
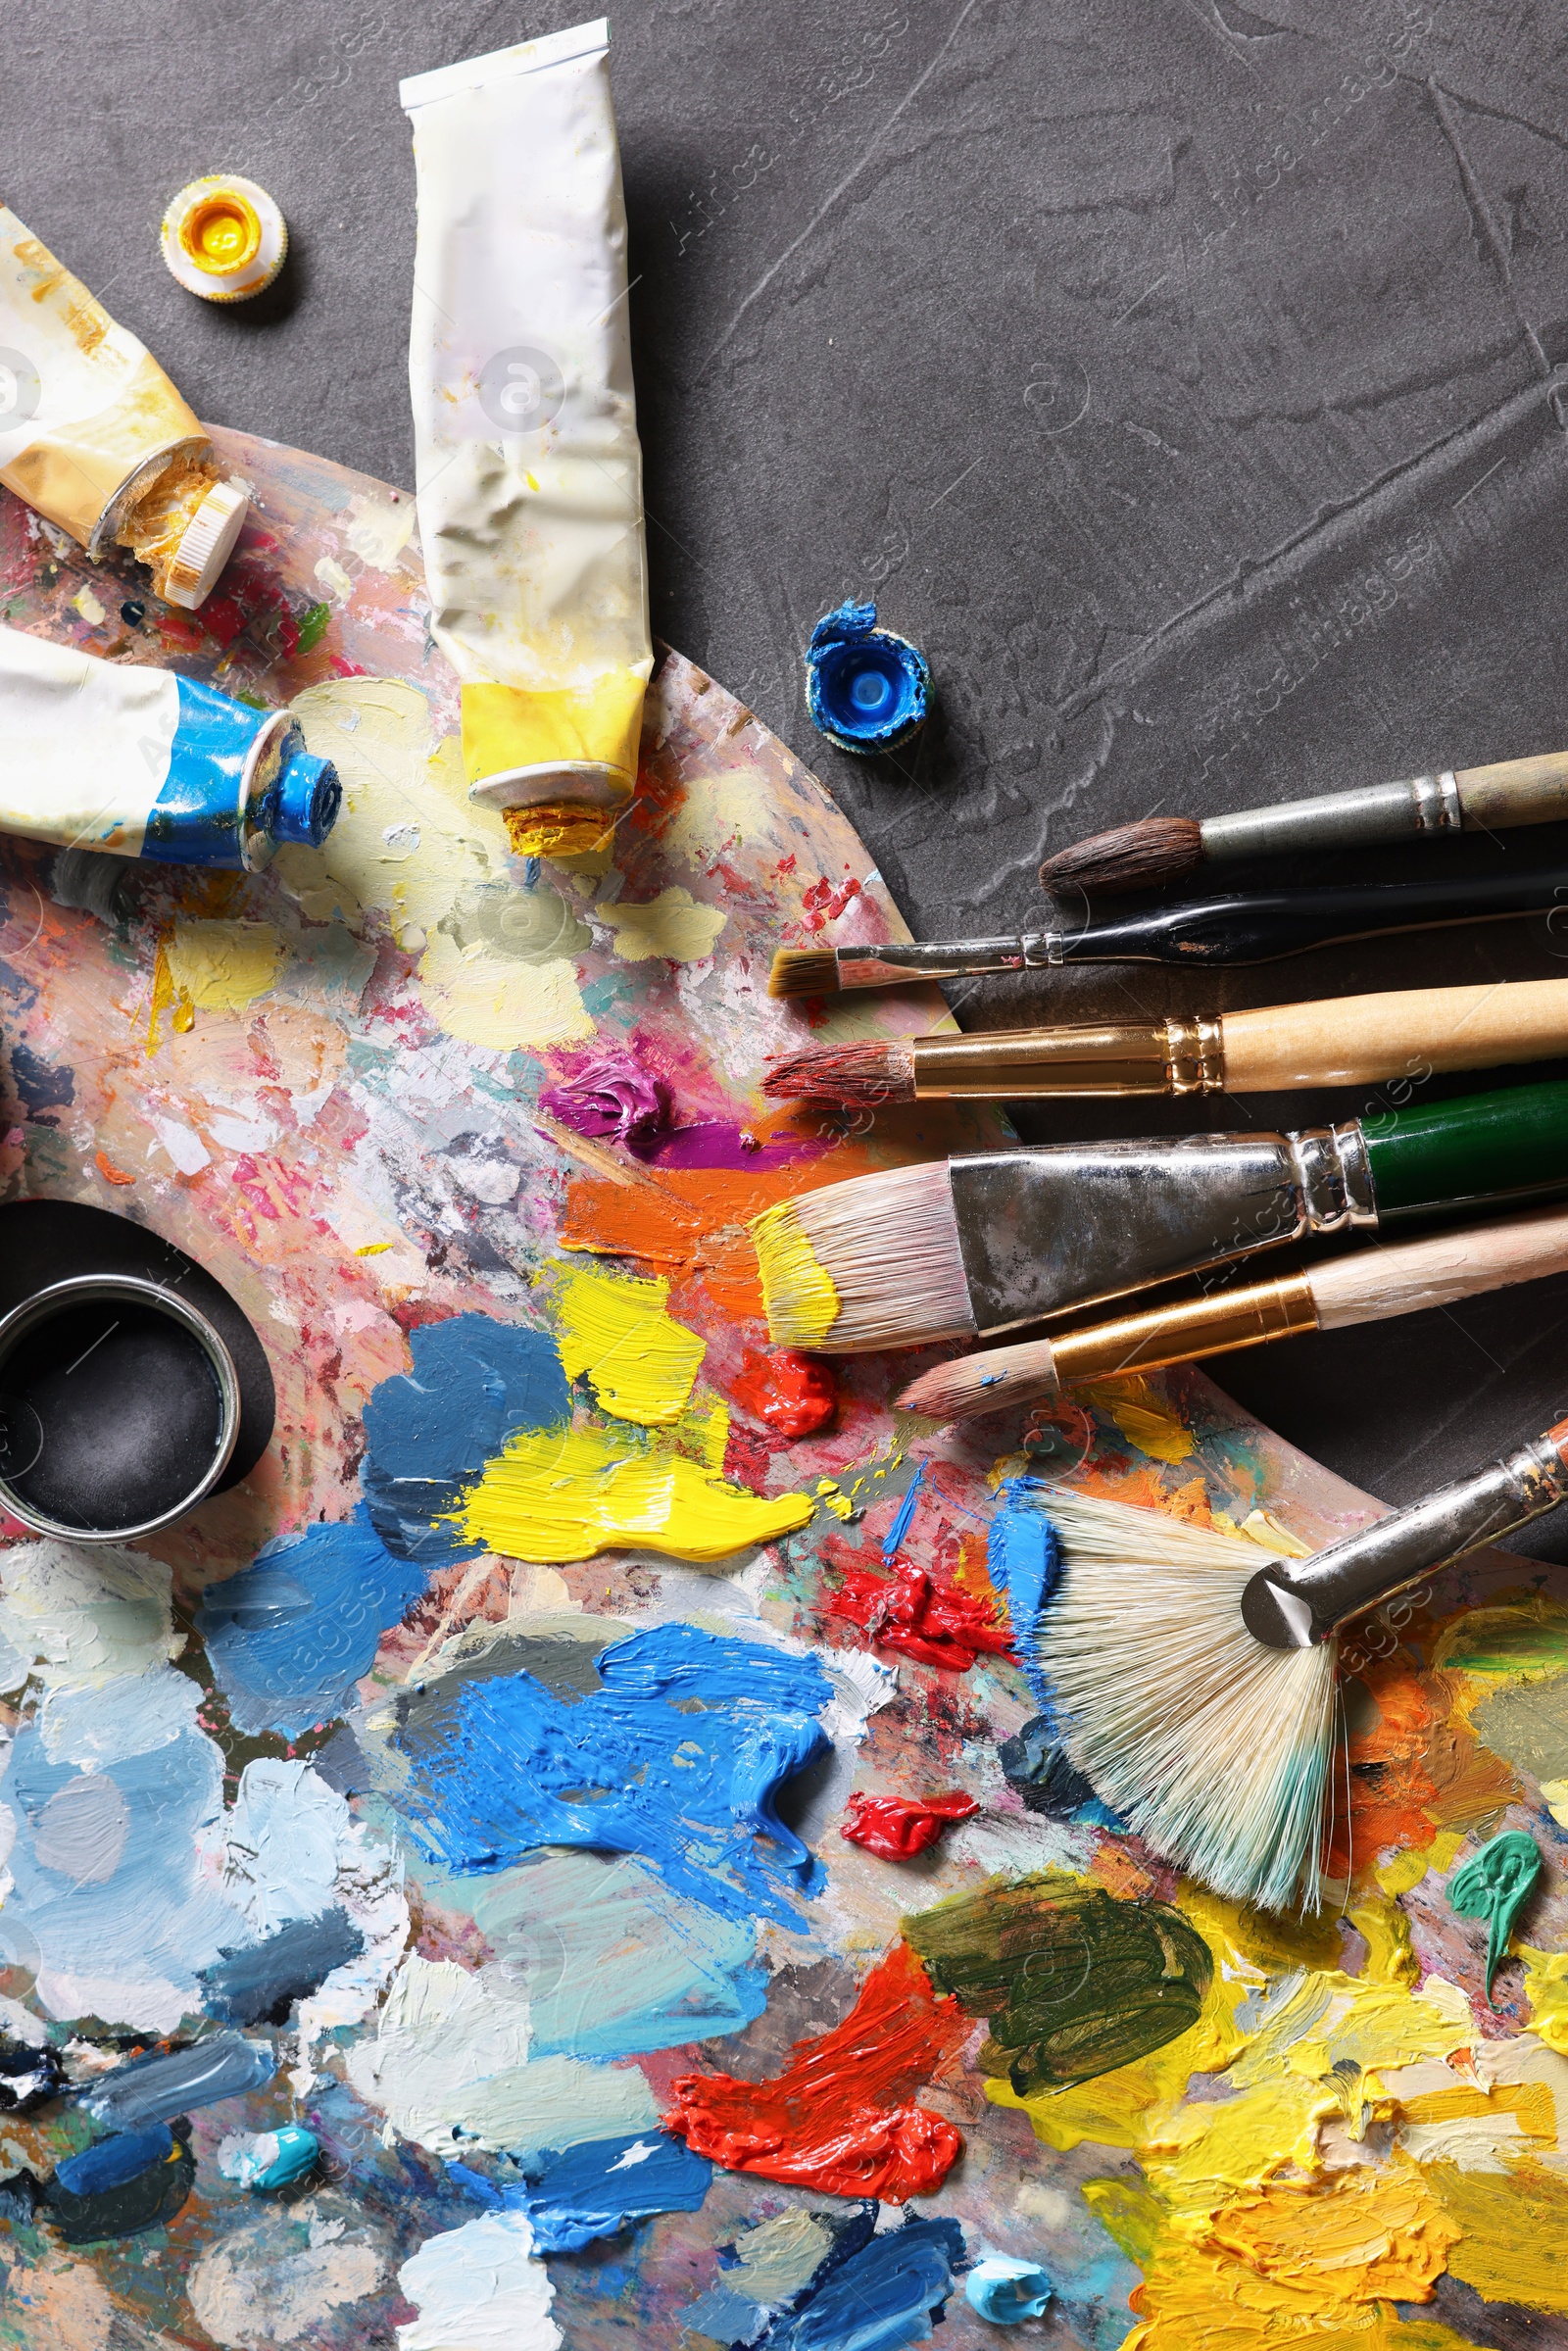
<point>95,437</point>
<point>529,469</point>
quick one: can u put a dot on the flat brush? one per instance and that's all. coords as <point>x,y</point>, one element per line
<point>972,1245</point>
<point>1372,1285</point>
<point>1193,1673</point>
<point>1249,926</point>
<point>1161,850</point>
<point>1343,1041</point>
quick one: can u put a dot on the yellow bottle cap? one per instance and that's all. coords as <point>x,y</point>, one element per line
<point>224,238</point>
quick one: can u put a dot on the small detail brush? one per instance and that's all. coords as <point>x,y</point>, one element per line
<point>1343,1041</point>
<point>1371,1285</point>
<point>1193,1673</point>
<point>1249,926</point>
<point>1161,850</point>
<point>960,1247</point>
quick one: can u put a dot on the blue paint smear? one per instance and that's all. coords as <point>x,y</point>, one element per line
<point>591,2192</point>
<point>114,2161</point>
<point>429,1431</point>
<point>677,1756</point>
<point>885,2293</point>
<point>893,1541</point>
<point>41,1086</point>
<point>1023,1559</point>
<point>290,1637</point>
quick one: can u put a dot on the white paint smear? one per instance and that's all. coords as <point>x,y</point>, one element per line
<point>479,2288</point>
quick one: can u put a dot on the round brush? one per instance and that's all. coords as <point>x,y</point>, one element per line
<point>1161,850</point>
<point>1193,1673</point>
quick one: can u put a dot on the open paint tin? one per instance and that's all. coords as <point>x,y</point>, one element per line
<point>131,1384</point>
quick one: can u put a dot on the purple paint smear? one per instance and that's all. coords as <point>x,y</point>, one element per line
<point>610,1094</point>
<point>721,1143</point>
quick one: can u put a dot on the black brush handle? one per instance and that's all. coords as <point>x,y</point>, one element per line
<point>1258,926</point>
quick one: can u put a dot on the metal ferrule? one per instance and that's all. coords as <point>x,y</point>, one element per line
<point>1287,1606</point>
<point>1039,1231</point>
<point>915,960</point>
<point>1420,804</point>
<point>1180,1334</point>
<point>1157,1056</point>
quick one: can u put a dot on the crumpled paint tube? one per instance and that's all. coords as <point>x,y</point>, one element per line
<point>95,437</point>
<point>112,756</point>
<point>527,466</point>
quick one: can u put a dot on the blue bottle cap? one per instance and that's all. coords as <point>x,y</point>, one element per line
<point>305,800</point>
<point>868,689</point>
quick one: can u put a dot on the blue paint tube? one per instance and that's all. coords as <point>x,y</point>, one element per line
<point>147,764</point>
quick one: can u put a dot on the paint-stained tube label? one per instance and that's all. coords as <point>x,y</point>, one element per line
<point>528,468</point>
<point>84,405</point>
<point>88,744</point>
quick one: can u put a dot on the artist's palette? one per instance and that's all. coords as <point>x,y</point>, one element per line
<point>491,1819</point>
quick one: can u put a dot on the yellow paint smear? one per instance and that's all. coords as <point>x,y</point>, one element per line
<point>641,1363</point>
<point>673,926</point>
<point>1512,2226</point>
<point>1148,1424</point>
<point>559,1495</point>
<point>1547,1991</point>
<point>491,1000</point>
<point>798,1292</point>
<point>222,967</point>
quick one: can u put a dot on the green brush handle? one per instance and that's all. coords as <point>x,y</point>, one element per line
<point>1514,1142</point>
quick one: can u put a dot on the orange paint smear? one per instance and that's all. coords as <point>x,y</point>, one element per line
<point>1417,1770</point>
<point>839,2117</point>
<point>109,1173</point>
<point>691,1221</point>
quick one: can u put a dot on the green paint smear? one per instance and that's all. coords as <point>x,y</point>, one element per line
<point>1529,1639</point>
<point>313,628</point>
<point>1073,1983</point>
<point>1496,1884</point>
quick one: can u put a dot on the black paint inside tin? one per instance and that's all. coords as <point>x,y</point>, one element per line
<point>110,1415</point>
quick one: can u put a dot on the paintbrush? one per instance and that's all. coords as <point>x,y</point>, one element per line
<point>1249,926</point>
<point>1370,1284</point>
<point>967,1246</point>
<point>1193,1673</point>
<point>1343,1041</point>
<point>1161,850</point>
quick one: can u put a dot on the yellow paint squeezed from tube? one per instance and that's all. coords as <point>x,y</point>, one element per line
<point>566,1494</point>
<point>798,1292</point>
<point>641,1363</point>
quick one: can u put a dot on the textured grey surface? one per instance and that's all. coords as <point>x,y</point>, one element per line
<point>1190,381</point>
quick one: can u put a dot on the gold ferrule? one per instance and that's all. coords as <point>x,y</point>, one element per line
<point>1181,1333</point>
<point>1161,1056</point>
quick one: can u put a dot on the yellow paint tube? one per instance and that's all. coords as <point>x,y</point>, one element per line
<point>528,464</point>
<point>95,437</point>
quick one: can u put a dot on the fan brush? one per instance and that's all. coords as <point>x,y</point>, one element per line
<point>1193,1673</point>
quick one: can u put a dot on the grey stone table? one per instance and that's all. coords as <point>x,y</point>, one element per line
<point>1190,379</point>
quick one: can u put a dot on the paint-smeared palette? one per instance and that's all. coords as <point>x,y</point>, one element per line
<point>465,1788</point>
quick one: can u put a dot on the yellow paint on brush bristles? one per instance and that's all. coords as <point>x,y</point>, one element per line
<point>565,1493</point>
<point>641,1363</point>
<point>798,1292</point>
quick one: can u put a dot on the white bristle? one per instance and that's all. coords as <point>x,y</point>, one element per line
<point>890,1244</point>
<point>1213,1747</point>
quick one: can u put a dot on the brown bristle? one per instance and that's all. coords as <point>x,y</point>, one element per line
<point>804,971</point>
<point>866,1075</point>
<point>987,1381</point>
<point>1130,857</point>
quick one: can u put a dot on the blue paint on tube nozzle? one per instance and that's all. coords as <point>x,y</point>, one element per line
<point>142,763</point>
<point>866,688</point>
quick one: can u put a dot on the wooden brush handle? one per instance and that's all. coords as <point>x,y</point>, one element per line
<point>1377,1282</point>
<point>1360,1039</point>
<point>1514,792</point>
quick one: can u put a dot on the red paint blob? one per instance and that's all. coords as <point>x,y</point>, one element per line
<point>838,2118</point>
<point>824,901</point>
<point>899,1827</point>
<point>787,1391</point>
<point>910,1612</point>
